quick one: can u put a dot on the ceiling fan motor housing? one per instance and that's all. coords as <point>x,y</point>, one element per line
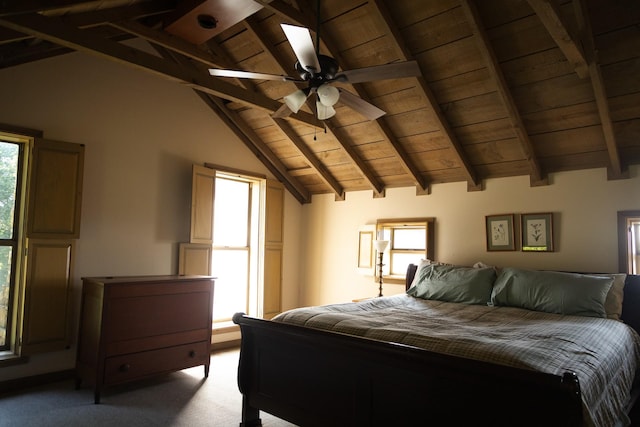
<point>328,70</point>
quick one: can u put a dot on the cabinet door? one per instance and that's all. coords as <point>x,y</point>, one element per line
<point>55,190</point>
<point>47,299</point>
<point>274,237</point>
<point>194,259</point>
<point>202,193</point>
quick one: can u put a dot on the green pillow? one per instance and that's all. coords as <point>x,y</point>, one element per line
<point>454,284</point>
<point>552,292</point>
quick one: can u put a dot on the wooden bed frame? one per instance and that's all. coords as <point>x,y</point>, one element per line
<point>317,378</point>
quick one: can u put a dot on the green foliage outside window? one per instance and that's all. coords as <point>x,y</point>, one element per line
<point>9,157</point>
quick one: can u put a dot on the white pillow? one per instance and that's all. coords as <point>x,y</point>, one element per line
<point>613,303</point>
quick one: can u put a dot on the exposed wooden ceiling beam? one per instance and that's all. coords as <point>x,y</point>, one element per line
<point>615,169</point>
<point>547,12</point>
<point>101,17</point>
<point>210,57</point>
<point>169,41</point>
<point>259,148</point>
<point>253,27</point>
<point>473,17</point>
<point>243,131</point>
<point>289,13</point>
<point>14,7</point>
<point>54,30</point>
<point>473,182</point>
<point>312,159</point>
<point>364,169</point>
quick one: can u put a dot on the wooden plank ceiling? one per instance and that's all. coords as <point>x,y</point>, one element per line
<point>507,87</point>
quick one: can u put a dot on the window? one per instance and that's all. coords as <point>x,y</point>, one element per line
<point>39,222</point>
<point>629,241</point>
<point>12,157</point>
<point>235,239</point>
<point>236,236</point>
<point>410,240</point>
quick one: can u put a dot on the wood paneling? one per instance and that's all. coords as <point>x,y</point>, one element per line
<point>456,106</point>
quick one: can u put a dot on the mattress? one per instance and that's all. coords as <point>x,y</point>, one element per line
<point>603,353</point>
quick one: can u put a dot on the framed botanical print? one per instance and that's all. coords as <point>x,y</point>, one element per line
<point>537,232</point>
<point>500,232</point>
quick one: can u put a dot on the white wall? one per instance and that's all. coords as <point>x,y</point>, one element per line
<point>584,204</point>
<point>142,134</point>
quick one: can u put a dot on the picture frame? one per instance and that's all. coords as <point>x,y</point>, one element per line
<point>500,232</point>
<point>537,232</point>
<point>365,249</point>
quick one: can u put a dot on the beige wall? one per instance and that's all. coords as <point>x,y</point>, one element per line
<point>142,134</point>
<point>584,204</point>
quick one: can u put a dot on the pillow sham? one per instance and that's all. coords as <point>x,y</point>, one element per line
<point>454,284</point>
<point>424,262</point>
<point>613,303</point>
<point>552,292</point>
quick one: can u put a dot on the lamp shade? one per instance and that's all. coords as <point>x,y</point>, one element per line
<point>295,100</point>
<point>324,112</point>
<point>328,95</point>
<point>381,245</point>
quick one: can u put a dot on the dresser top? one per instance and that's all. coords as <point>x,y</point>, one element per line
<point>146,279</point>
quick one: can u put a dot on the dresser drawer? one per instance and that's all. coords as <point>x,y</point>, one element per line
<point>139,317</point>
<point>138,365</point>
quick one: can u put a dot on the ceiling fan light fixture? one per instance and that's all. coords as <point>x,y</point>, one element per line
<point>328,95</point>
<point>324,111</point>
<point>295,100</point>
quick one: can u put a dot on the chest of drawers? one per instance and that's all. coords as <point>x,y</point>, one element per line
<point>136,327</point>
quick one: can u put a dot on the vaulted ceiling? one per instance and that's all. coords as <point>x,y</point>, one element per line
<point>506,87</point>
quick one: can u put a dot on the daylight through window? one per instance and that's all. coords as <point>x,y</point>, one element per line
<point>10,160</point>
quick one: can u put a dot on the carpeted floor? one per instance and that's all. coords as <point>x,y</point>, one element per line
<point>178,399</point>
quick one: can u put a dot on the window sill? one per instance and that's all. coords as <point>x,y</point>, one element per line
<point>224,327</point>
<point>395,280</point>
<point>8,358</point>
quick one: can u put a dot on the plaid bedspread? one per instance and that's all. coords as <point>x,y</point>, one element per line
<point>603,353</point>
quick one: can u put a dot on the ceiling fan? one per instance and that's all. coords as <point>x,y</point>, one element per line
<point>320,71</point>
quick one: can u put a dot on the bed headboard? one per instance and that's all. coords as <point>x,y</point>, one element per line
<point>411,272</point>
<point>630,301</point>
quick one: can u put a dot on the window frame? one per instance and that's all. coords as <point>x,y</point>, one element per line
<point>17,240</point>
<point>391,224</point>
<point>253,185</point>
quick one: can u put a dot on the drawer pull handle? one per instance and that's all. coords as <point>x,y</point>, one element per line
<point>125,367</point>
<point>192,354</point>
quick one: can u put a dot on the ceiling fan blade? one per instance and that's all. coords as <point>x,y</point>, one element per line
<point>217,72</point>
<point>302,45</point>
<point>282,112</point>
<point>395,70</point>
<point>358,104</point>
